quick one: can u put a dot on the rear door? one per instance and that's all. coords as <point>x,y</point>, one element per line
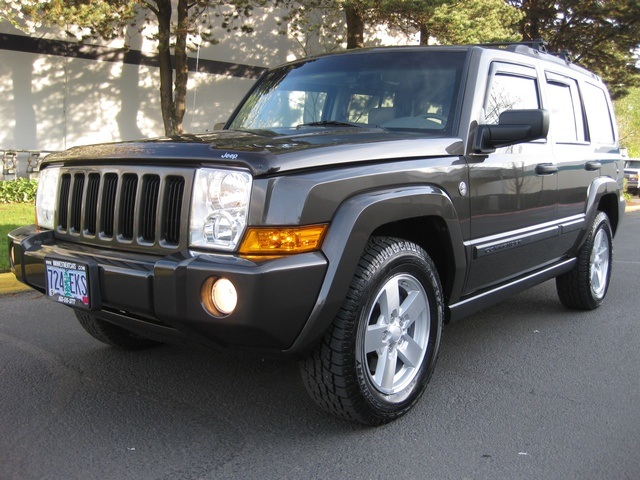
<point>583,139</point>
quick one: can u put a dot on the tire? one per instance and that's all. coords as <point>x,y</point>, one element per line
<point>111,334</point>
<point>376,359</point>
<point>586,285</point>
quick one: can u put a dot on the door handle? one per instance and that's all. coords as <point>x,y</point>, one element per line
<point>546,169</point>
<point>592,166</point>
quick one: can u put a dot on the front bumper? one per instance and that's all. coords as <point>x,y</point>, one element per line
<point>161,296</point>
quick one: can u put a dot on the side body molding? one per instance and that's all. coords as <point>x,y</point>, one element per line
<point>354,222</point>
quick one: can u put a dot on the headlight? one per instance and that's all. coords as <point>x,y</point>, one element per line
<point>219,208</point>
<point>46,197</point>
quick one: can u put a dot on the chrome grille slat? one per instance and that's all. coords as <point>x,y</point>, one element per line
<point>123,207</point>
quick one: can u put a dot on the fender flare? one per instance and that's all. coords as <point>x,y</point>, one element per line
<point>600,187</point>
<point>352,225</point>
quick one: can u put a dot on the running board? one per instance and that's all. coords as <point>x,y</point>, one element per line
<point>485,299</point>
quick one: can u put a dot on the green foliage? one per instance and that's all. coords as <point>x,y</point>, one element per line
<point>80,18</point>
<point>628,116</point>
<point>18,191</point>
<point>475,21</point>
<point>599,35</point>
<point>448,21</point>
<point>11,217</point>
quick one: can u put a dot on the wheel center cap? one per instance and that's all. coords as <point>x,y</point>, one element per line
<point>395,333</point>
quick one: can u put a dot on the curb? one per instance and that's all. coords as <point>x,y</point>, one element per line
<point>632,208</point>
<point>9,284</point>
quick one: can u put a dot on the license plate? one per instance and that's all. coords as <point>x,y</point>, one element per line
<point>68,282</point>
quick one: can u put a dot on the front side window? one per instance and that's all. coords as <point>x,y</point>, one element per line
<point>510,92</point>
<point>396,90</point>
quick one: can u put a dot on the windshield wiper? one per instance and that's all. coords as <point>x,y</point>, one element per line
<point>330,123</point>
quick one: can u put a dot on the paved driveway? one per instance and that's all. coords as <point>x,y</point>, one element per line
<point>524,390</point>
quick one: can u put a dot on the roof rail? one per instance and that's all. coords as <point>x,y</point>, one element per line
<point>564,55</point>
<point>538,45</point>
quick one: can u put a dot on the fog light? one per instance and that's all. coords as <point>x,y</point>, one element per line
<point>219,296</point>
<point>224,296</point>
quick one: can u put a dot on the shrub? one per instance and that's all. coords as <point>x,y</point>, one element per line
<point>20,190</point>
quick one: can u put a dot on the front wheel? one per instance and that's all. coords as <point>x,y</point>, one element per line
<point>585,286</point>
<point>375,361</point>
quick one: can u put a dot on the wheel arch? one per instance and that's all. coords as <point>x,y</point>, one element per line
<point>403,212</point>
<point>609,204</point>
<point>604,196</point>
<point>433,235</point>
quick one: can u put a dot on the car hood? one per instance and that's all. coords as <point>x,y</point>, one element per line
<point>267,152</point>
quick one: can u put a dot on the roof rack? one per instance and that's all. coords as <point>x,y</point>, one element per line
<point>538,45</point>
<point>564,55</point>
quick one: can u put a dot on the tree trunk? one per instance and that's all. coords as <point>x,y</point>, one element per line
<point>355,27</point>
<point>531,20</point>
<point>166,68</point>
<point>424,34</point>
<point>182,67</point>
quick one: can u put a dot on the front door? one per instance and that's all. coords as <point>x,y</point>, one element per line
<point>513,191</point>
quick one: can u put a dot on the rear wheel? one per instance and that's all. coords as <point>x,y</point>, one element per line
<point>375,361</point>
<point>586,285</point>
<point>111,334</point>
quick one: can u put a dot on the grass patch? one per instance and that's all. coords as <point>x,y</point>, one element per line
<point>12,216</point>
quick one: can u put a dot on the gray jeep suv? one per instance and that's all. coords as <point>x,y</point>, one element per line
<point>352,204</point>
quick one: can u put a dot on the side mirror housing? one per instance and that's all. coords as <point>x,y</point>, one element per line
<point>514,126</point>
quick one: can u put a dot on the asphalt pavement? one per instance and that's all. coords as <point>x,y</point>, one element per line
<point>524,390</point>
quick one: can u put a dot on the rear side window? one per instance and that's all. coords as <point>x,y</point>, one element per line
<point>563,103</point>
<point>598,115</point>
<point>510,92</point>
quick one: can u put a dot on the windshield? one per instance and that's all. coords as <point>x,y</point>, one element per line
<point>399,90</point>
<point>633,164</point>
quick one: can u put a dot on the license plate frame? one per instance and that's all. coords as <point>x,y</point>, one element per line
<point>70,282</point>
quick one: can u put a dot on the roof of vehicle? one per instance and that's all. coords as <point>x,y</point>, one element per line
<point>536,49</point>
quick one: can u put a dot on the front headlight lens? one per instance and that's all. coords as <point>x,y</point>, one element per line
<point>219,208</point>
<point>46,197</point>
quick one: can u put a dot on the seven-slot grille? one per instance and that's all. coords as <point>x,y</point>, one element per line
<point>140,208</point>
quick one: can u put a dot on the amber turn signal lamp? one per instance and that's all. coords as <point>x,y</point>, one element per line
<point>282,240</point>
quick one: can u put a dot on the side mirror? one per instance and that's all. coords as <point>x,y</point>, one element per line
<point>514,126</point>
<point>219,126</point>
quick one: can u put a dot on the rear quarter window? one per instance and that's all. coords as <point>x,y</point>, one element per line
<point>599,119</point>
